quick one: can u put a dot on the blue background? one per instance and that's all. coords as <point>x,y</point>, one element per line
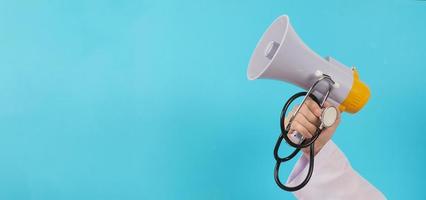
<point>149,99</point>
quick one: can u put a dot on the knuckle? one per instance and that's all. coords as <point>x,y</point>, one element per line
<point>294,108</point>
<point>298,127</point>
<point>311,116</point>
<point>309,101</point>
<point>303,110</point>
<point>301,120</point>
<point>293,125</point>
<point>317,112</point>
<point>307,135</point>
<point>296,118</point>
<point>313,129</point>
<point>315,106</point>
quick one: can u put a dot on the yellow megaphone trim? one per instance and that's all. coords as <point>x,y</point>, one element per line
<point>357,97</point>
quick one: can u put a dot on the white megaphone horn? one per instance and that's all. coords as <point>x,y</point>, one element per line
<point>282,55</point>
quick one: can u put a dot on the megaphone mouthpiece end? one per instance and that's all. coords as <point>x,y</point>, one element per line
<point>249,77</point>
<point>252,77</point>
<point>268,47</point>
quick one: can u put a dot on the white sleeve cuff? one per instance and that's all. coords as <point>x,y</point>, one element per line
<point>332,178</point>
<point>302,164</point>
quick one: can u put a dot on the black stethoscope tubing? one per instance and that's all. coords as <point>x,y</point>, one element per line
<point>284,135</point>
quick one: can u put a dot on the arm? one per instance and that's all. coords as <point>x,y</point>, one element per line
<point>333,176</point>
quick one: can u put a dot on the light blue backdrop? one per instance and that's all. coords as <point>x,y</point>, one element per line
<point>149,99</point>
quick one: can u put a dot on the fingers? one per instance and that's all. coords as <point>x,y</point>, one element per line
<point>311,127</point>
<point>306,122</point>
<point>309,115</point>
<point>313,107</point>
<point>298,127</point>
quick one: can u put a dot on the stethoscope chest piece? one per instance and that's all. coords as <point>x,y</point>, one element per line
<point>328,117</point>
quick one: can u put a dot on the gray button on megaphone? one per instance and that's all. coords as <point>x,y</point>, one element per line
<point>271,49</point>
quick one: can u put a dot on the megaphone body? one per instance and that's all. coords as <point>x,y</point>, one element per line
<point>281,55</point>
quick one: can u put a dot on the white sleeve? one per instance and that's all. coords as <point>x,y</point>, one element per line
<point>332,178</point>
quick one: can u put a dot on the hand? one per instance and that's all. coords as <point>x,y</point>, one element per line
<point>307,121</point>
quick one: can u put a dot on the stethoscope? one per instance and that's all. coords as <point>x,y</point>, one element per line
<point>328,117</point>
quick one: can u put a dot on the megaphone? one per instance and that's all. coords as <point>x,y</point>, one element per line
<point>281,55</point>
